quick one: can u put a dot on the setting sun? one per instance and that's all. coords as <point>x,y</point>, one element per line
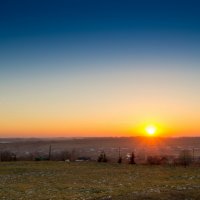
<point>151,130</point>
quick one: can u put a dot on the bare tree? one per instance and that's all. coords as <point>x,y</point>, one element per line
<point>132,159</point>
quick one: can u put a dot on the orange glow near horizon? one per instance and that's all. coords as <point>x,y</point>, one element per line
<point>100,126</point>
<point>89,128</point>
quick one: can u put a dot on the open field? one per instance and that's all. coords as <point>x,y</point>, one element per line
<point>90,180</point>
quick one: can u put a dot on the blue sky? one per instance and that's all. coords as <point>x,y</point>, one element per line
<point>41,30</point>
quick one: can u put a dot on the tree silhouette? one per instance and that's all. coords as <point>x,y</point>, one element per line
<point>132,159</point>
<point>102,157</point>
<point>120,160</point>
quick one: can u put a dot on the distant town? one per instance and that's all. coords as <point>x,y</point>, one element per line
<point>146,150</point>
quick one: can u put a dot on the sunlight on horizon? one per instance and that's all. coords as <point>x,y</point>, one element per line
<point>151,130</point>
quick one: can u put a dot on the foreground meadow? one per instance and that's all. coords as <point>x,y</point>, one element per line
<point>88,180</point>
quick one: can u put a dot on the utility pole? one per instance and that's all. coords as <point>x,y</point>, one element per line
<point>0,154</point>
<point>120,158</point>
<point>119,152</point>
<point>193,154</point>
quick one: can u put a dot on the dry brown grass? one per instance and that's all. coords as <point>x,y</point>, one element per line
<point>60,180</point>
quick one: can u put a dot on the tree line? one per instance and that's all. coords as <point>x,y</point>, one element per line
<point>184,158</point>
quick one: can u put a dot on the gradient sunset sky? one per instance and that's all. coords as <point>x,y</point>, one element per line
<point>99,68</point>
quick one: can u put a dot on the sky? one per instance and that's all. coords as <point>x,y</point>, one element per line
<point>85,68</point>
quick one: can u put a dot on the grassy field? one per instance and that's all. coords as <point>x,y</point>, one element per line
<point>60,180</point>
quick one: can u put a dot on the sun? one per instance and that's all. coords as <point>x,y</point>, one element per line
<point>151,130</point>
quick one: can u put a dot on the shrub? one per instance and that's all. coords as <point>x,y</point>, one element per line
<point>185,158</point>
<point>7,156</point>
<point>102,157</point>
<point>153,160</point>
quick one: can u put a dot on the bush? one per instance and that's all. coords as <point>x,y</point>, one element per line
<point>7,156</point>
<point>157,160</point>
<point>102,157</point>
<point>153,160</point>
<point>185,158</point>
